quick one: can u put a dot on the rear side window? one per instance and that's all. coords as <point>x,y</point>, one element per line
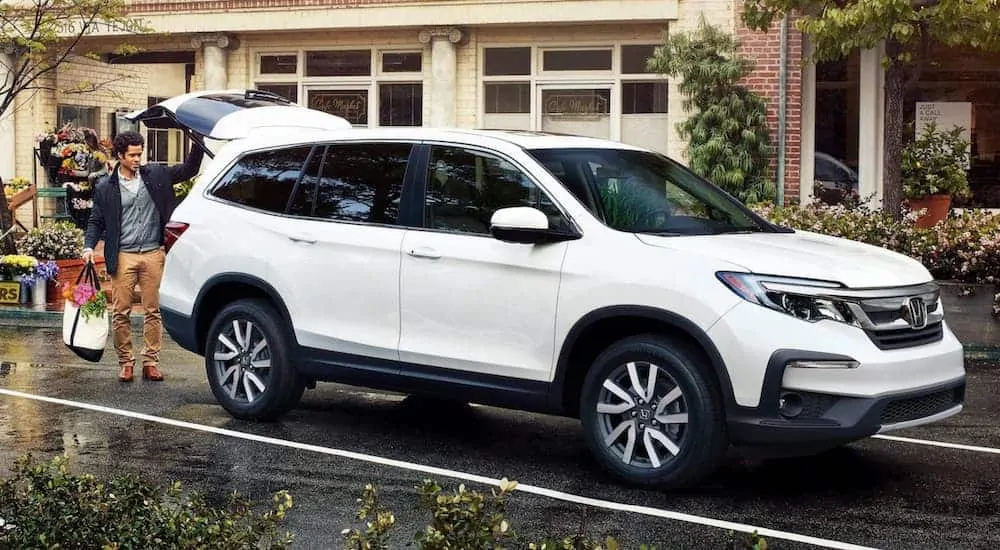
<point>264,180</point>
<point>362,182</point>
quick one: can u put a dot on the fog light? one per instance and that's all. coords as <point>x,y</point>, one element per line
<point>790,404</point>
<point>845,364</point>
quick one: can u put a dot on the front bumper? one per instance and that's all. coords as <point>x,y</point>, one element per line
<point>889,389</point>
<point>827,420</point>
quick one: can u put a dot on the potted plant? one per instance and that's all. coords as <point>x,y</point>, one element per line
<point>934,172</point>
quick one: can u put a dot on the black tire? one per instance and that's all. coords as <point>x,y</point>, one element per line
<point>700,444</point>
<point>282,385</point>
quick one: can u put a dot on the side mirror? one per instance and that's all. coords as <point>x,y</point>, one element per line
<point>526,225</point>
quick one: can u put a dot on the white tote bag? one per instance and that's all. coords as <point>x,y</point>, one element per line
<point>87,337</point>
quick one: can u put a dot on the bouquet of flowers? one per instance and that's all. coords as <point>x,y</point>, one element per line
<point>47,271</point>
<point>92,301</point>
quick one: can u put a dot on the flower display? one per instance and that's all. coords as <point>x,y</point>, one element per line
<point>13,265</point>
<point>93,302</point>
<point>53,241</point>
<point>15,185</point>
<point>48,271</point>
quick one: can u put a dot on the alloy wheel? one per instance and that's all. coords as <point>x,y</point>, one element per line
<point>642,415</point>
<point>242,361</point>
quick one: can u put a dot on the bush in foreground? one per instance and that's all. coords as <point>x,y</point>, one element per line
<point>45,506</point>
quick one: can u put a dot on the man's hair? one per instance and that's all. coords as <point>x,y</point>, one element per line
<point>125,140</point>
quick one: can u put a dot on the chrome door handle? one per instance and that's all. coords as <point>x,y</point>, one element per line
<point>424,252</point>
<point>301,239</point>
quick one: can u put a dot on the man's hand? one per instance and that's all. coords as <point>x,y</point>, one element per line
<point>87,256</point>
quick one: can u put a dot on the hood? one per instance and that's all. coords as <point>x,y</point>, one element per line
<point>804,254</point>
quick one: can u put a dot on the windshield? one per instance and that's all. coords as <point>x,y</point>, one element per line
<point>643,192</point>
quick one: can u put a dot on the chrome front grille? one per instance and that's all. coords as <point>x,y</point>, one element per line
<point>899,318</point>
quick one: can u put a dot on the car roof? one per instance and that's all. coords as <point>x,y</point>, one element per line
<point>519,138</point>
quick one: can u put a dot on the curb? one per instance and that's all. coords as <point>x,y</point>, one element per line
<point>24,317</point>
<point>39,318</point>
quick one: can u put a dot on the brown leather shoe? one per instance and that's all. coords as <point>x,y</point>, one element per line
<point>150,372</point>
<point>126,374</point>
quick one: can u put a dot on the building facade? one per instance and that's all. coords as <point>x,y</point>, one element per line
<point>571,66</point>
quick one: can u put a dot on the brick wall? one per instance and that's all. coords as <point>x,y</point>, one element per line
<point>765,50</point>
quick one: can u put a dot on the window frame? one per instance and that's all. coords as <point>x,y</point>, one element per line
<point>371,83</point>
<point>540,79</point>
<point>422,180</point>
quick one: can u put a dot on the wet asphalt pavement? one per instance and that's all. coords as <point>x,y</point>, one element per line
<point>876,493</point>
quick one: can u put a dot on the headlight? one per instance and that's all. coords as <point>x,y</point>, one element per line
<point>801,298</point>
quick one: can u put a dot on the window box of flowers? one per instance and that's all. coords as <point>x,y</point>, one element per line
<point>17,190</point>
<point>61,242</point>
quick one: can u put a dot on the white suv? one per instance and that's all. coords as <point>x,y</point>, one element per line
<point>550,273</point>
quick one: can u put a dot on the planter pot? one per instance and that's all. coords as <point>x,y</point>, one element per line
<point>69,270</point>
<point>39,292</point>
<point>968,310</point>
<point>937,209</point>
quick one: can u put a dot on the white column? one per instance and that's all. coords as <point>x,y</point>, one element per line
<point>871,114</point>
<point>444,74</point>
<point>214,60</point>
<point>7,136</point>
<point>807,130</point>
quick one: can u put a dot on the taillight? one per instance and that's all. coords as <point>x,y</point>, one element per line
<point>172,232</point>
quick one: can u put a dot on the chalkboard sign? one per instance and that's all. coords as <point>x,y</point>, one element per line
<point>10,292</point>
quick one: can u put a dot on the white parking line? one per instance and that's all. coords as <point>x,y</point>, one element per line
<point>973,448</point>
<point>541,491</point>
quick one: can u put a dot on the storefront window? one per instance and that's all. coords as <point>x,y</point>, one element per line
<point>366,87</point>
<point>599,91</point>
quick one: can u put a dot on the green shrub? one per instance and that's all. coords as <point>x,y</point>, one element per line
<point>465,520</point>
<point>45,506</point>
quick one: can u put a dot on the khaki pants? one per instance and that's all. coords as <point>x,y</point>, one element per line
<point>146,270</point>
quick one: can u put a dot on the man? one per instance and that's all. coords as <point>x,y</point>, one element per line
<point>132,206</point>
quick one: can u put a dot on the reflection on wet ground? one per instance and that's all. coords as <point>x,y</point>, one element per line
<point>876,493</point>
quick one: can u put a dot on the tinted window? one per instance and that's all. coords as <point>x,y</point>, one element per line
<point>264,180</point>
<point>305,193</point>
<point>642,192</point>
<point>362,182</point>
<point>465,188</point>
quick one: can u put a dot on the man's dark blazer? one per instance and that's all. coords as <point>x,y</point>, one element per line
<point>106,215</point>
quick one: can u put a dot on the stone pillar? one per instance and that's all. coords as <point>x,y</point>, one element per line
<point>214,60</point>
<point>8,142</point>
<point>871,117</point>
<point>444,74</point>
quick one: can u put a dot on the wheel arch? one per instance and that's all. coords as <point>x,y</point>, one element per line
<point>225,288</point>
<point>598,329</point>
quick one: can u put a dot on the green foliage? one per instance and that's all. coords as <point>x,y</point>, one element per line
<point>466,520</point>
<point>838,27</point>
<point>182,189</point>
<point>378,521</point>
<point>45,506</point>
<point>727,132</point>
<point>934,163</point>
<point>44,34</point>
